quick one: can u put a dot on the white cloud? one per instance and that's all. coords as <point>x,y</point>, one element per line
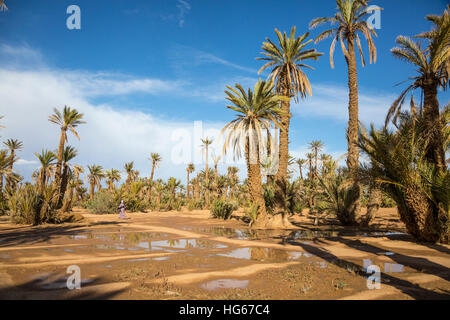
<point>110,137</point>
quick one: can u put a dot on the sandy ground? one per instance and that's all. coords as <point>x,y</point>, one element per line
<point>188,255</point>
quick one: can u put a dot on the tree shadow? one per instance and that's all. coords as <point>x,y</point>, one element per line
<point>407,287</point>
<point>42,289</point>
<point>38,234</point>
<point>420,264</point>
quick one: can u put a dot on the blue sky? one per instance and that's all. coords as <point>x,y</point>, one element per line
<point>151,68</point>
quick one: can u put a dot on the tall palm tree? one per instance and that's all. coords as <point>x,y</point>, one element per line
<point>77,169</point>
<point>13,146</point>
<point>287,63</point>
<point>206,143</point>
<point>131,173</point>
<point>69,119</point>
<point>5,168</point>
<point>47,161</point>
<point>433,66</point>
<point>112,177</point>
<point>190,169</point>
<point>156,159</point>
<point>350,21</point>
<point>69,154</point>
<point>216,160</point>
<point>316,146</point>
<point>232,179</point>
<point>95,177</point>
<point>258,111</point>
<point>300,163</point>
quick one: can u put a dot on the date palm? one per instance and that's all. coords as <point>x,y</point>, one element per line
<point>350,21</point>
<point>300,163</point>
<point>95,177</point>
<point>69,119</point>
<point>287,63</point>
<point>47,161</point>
<point>112,176</point>
<point>190,169</point>
<point>13,145</point>
<point>69,154</point>
<point>77,170</point>
<point>206,143</point>
<point>131,173</point>
<point>5,168</point>
<point>433,66</point>
<point>316,146</point>
<point>257,112</point>
<point>156,159</point>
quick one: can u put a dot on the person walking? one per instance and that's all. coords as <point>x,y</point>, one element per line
<point>122,209</point>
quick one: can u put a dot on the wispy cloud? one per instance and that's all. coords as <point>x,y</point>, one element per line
<point>183,8</point>
<point>182,57</point>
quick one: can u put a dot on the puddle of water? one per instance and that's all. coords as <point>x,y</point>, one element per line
<point>264,254</point>
<point>188,244</point>
<point>224,284</point>
<point>160,258</point>
<point>140,259</point>
<point>389,253</point>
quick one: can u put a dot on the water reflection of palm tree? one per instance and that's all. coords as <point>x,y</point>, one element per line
<point>268,254</point>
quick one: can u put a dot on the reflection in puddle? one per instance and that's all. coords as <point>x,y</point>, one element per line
<point>264,254</point>
<point>188,244</point>
<point>224,284</point>
<point>140,259</point>
<point>161,258</point>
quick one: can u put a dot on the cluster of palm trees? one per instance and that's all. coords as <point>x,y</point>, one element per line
<point>268,106</point>
<point>407,157</point>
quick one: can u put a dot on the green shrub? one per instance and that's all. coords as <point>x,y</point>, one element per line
<point>252,213</point>
<point>269,197</point>
<point>221,209</point>
<point>103,202</point>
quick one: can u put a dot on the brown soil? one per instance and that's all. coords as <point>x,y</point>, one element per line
<point>188,255</point>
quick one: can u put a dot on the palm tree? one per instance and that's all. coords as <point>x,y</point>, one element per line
<point>172,186</point>
<point>287,63</point>
<point>5,169</point>
<point>350,20</point>
<point>316,146</point>
<point>131,173</point>
<point>432,64</point>
<point>300,163</point>
<point>46,159</point>
<point>190,169</point>
<point>77,169</point>
<point>69,154</point>
<point>13,145</point>
<point>399,164</point>
<point>112,177</point>
<point>232,179</point>
<point>69,119</point>
<point>257,111</point>
<point>95,177</point>
<point>156,160</point>
<point>206,143</point>
<point>216,160</point>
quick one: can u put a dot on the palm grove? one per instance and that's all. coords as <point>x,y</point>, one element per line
<point>406,166</point>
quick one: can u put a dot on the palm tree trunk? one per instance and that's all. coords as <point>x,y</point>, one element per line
<point>352,132</point>
<point>207,179</point>
<point>64,181</point>
<point>91,190</point>
<point>254,183</point>
<point>187,187</point>
<point>373,205</point>
<point>435,152</point>
<point>281,175</point>
<point>62,140</point>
